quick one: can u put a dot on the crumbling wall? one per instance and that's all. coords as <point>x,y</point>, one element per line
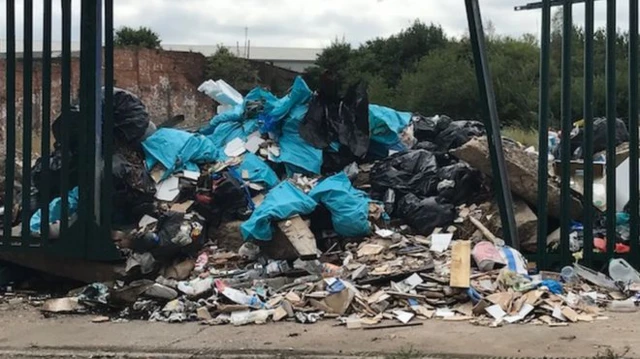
<point>166,81</point>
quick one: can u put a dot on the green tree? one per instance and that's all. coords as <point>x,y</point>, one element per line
<point>334,59</point>
<point>237,72</point>
<point>140,37</point>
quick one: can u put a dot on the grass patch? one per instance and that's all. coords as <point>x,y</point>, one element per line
<point>527,137</point>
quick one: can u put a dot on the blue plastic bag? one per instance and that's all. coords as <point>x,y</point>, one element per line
<point>55,210</point>
<point>259,172</point>
<point>282,202</point>
<point>178,150</point>
<point>299,94</point>
<point>349,206</point>
<point>386,124</point>
<point>298,155</point>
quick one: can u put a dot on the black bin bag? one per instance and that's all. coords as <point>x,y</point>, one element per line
<point>413,171</point>
<point>426,214</point>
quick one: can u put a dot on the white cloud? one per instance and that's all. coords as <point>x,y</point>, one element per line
<point>304,23</point>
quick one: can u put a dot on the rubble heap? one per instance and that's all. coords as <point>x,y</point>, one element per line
<point>345,210</point>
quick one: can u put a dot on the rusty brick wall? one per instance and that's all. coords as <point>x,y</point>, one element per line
<point>166,82</point>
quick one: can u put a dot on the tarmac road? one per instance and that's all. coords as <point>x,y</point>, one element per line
<point>25,333</point>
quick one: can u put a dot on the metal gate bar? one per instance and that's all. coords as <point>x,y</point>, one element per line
<point>492,124</point>
<point>11,121</point>
<point>88,235</point>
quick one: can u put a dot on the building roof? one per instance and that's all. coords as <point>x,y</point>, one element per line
<point>255,52</point>
<point>262,53</point>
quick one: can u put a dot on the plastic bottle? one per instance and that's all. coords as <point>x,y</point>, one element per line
<point>621,271</point>
<point>568,274</point>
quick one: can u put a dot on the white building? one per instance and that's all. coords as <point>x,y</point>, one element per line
<point>291,58</point>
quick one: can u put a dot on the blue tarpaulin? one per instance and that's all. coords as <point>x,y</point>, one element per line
<point>282,202</point>
<point>259,171</point>
<point>178,150</point>
<point>386,124</point>
<point>55,210</point>
<point>349,206</point>
<point>224,127</point>
<point>298,155</point>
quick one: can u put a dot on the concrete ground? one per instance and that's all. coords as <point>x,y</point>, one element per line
<point>26,333</point>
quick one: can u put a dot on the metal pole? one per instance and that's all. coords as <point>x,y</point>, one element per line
<point>492,123</point>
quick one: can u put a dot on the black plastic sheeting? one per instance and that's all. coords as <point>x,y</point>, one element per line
<point>331,118</point>
<point>458,133</point>
<point>55,176</point>
<point>413,171</point>
<point>466,183</point>
<point>600,137</point>
<point>428,128</point>
<point>134,191</point>
<point>130,120</point>
<point>426,214</point>
<point>443,134</point>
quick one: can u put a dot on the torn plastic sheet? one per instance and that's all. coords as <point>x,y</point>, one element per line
<point>282,202</point>
<point>239,122</point>
<point>297,155</point>
<point>349,206</point>
<point>299,94</point>
<point>386,124</point>
<point>331,118</point>
<point>258,171</point>
<point>55,210</point>
<point>178,150</point>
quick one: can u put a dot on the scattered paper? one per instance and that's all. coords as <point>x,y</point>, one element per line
<point>61,305</point>
<point>385,233</point>
<point>157,174</point>
<point>524,311</point>
<point>413,281</point>
<point>235,148</point>
<point>403,316</point>
<point>444,313</point>
<point>192,175</point>
<point>354,323</point>
<point>370,250</point>
<point>169,189</point>
<point>253,144</point>
<point>100,319</point>
<point>440,242</point>
<point>496,312</point>
<point>557,313</point>
<point>146,221</point>
<point>181,207</point>
<point>274,151</point>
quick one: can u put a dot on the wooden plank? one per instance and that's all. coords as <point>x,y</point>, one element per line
<point>460,264</point>
<point>300,236</point>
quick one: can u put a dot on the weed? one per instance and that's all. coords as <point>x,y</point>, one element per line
<point>406,354</point>
<point>610,354</point>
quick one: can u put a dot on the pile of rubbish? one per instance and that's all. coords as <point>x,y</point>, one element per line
<point>345,210</point>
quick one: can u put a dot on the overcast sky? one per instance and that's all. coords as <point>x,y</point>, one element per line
<point>299,23</point>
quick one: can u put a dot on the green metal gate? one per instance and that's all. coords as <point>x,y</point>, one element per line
<point>87,236</point>
<point>544,259</point>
